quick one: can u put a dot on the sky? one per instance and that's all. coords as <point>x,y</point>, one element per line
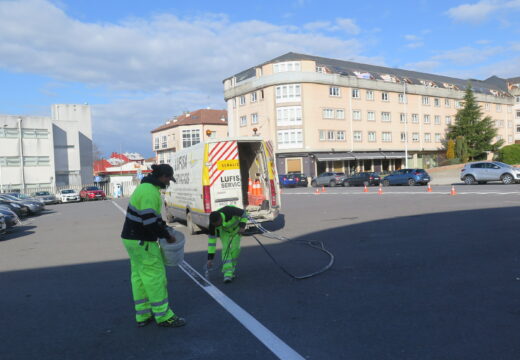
<point>140,63</point>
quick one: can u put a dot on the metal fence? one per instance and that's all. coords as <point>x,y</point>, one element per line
<point>111,190</point>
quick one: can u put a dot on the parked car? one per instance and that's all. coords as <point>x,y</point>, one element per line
<point>34,206</point>
<point>19,209</point>
<point>328,179</point>
<point>91,193</point>
<point>287,180</point>
<point>362,178</point>
<point>68,195</point>
<point>11,219</point>
<point>3,225</point>
<point>46,197</point>
<point>407,177</point>
<point>483,171</point>
<point>301,179</point>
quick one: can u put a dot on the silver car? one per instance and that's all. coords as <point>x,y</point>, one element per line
<point>328,179</point>
<point>483,171</point>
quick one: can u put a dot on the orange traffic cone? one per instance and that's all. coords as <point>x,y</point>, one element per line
<point>323,189</point>
<point>250,187</point>
<point>453,191</point>
<point>317,192</point>
<point>429,188</point>
<point>380,191</point>
<point>365,189</point>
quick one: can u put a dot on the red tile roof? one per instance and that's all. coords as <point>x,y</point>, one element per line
<point>198,117</point>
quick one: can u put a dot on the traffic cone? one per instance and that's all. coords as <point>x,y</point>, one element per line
<point>380,191</point>
<point>250,187</point>
<point>323,189</point>
<point>453,191</point>
<point>365,189</point>
<point>429,188</point>
<point>317,192</point>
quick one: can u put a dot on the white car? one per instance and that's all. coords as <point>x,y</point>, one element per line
<point>68,195</point>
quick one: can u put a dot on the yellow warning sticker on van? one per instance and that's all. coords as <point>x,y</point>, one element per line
<point>228,164</point>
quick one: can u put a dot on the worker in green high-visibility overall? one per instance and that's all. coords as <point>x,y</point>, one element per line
<point>228,223</point>
<point>143,226</point>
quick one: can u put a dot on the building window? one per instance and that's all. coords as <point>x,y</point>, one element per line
<point>164,142</point>
<point>402,118</point>
<point>427,137</point>
<point>500,137</point>
<point>254,119</point>
<point>242,100</point>
<point>261,94</point>
<point>340,135</point>
<point>290,139</point>
<point>386,136</point>
<point>510,139</point>
<point>518,128</point>
<point>403,136</point>
<point>370,95</point>
<point>35,133</point>
<point>517,99</point>
<point>322,135</point>
<point>372,136</point>
<point>425,100</point>
<point>458,104</point>
<point>356,114</point>
<point>289,115</point>
<point>190,138</point>
<point>288,93</point>
<point>499,107</point>
<point>426,119</point>
<point>340,114</point>
<point>402,98</point>
<point>320,69</point>
<point>330,135</point>
<point>437,137</point>
<point>371,116</point>
<point>486,106</point>
<point>447,103</point>
<point>509,124</point>
<point>358,136</point>
<point>286,66</point>
<point>384,96</point>
<point>156,143</point>
<point>328,113</point>
<point>437,102</point>
<point>11,133</point>
<point>437,120</point>
<point>415,137</point>
<point>243,120</point>
<point>355,93</point>
<point>385,116</point>
<point>518,114</point>
<point>415,118</point>
<point>234,103</point>
<point>36,161</point>
<point>334,91</point>
<point>448,120</point>
<point>253,97</point>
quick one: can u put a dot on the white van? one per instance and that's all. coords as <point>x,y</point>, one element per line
<point>220,172</point>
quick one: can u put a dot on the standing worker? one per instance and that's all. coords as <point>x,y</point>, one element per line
<point>228,223</point>
<point>143,226</point>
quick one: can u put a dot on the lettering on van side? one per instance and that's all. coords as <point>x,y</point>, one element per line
<point>230,181</point>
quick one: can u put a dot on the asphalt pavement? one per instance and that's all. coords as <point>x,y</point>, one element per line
<point>417,275</point>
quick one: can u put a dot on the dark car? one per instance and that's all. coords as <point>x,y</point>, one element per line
<point>286,180</point>
<point>91,193</point>
<point>407,177</point>
<point>19,209</point>
<point>34,206</point>
<point>300,178</point>
<point>11,219</point>
<point>362,179</point>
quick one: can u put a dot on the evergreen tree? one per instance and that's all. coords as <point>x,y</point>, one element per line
<point>461,148</point>
<point>478,132</point>
<point>450,151</point>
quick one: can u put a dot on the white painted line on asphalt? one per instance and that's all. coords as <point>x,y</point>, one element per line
<point>406,192</point>
<point>263,334</point>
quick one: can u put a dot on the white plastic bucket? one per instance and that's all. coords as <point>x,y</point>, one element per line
<point>173,254</point>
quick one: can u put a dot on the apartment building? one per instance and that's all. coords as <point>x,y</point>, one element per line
<point>331,115</point>
<point>41,151</point>
<point>186,130</point>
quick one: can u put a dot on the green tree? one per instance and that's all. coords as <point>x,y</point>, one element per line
<point>510,154</point>
<point>461,148</point>
<point>477,131</point>
<point>450,151</point>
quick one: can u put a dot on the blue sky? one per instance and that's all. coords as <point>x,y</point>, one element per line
<point>138,63</point>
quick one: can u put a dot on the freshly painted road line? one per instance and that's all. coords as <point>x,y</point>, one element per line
<point>264,335</point>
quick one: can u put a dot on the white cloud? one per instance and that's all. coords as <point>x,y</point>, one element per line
<point>415,45</point>
<point>317,25</point>
<point>468,55</point>
<point>480,11</point>
<point>424,66</point>
<point>348,25</point>
<point>412,37</point>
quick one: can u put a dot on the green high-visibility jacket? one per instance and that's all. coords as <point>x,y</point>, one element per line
<point>233,219</point>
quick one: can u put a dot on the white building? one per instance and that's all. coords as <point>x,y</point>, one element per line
<point>40,151</point>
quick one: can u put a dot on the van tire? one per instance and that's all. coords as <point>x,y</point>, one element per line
<point>192,228</point>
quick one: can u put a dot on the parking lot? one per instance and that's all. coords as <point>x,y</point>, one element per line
<point>417,275</point>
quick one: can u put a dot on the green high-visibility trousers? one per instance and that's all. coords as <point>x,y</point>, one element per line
<point>148,281</point>
<point>230,251</point>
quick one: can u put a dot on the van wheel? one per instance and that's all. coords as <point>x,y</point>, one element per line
<point>169,217</point>
<point>507,179</point>
<point>192,228</point>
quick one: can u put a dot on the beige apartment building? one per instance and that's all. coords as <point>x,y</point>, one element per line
<point>186,130</point>
<point>330,115</point>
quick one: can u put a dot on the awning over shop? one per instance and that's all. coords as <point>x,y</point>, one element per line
<point>377,155</point>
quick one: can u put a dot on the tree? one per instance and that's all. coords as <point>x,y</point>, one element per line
<point>450,151</point>
<point>96,153</point>
<point>510,154</point>
<point>478,132</point>
<point>461,148</point>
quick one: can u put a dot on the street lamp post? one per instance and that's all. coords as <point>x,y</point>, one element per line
<point>405,100</point>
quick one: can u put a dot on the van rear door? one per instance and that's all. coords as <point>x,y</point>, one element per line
<point>224,174</point>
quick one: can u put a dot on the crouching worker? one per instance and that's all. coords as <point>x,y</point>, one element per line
<point>228,223</point>
<point>143,226</point>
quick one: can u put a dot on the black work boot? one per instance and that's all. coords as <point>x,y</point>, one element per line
<point>145,322</point>
<point>174,321</point>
